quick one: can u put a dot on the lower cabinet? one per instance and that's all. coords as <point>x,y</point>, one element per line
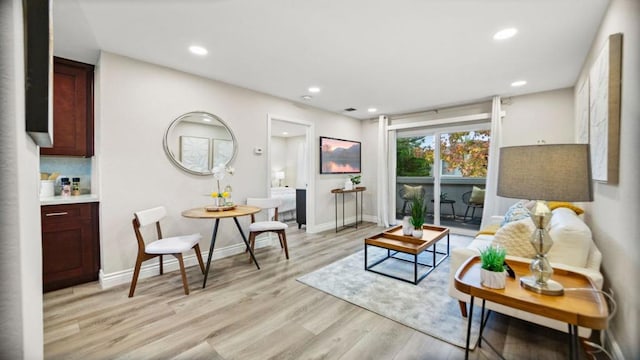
<point>301,207</point>
<point>70,245</point>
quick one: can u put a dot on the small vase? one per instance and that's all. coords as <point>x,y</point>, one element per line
<point>493,279</point>
<point>220,201</point>
<point>417,233</point>
<point>407,228</point>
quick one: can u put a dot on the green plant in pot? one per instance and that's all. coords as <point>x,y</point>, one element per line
<point>493,273</point>
<point>417,216</point>
<point>355,179</point>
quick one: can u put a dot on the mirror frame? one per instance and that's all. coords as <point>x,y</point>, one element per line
<point>176,121</point>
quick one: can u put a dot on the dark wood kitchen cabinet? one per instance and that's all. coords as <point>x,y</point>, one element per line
<point>70,245</point>
<point>72,109</point>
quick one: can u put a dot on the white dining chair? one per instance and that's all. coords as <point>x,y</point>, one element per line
<point>175,245</point>
<point>258,227</point>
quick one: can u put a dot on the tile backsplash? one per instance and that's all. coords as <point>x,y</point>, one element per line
<point>70,167</point>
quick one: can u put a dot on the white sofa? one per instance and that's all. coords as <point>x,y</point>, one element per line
<point>573,249</point>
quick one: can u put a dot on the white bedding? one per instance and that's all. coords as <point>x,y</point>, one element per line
<point>288,197</point>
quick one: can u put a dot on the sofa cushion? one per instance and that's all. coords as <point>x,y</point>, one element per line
<point>477,195</point>
<point>558,204</point>
<point>514,237</point>
<point>516,212</point>
<point>412,192</point>
<point>571,238</point>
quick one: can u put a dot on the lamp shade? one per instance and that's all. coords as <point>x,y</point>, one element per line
<point>279,175</point>
<point>557,172</point>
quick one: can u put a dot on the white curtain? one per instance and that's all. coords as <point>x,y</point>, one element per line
<point>383,189</point>
<point>491,200</point>
<point>302,166</point>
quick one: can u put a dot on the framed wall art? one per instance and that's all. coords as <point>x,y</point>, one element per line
<point>194,153</point>
<point>604,111</point>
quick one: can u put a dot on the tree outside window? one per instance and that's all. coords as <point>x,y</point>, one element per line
<point>464,153</point>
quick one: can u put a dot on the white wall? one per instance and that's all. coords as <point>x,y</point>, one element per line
<point>136,101</point>
<point>613,215</point>
<point>278,158</point>
<point>21,336</point>
<point>544,116</point>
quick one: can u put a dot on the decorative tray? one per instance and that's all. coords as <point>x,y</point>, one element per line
<point>220,208</point>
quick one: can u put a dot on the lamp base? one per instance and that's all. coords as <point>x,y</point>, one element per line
<point>550,288</point>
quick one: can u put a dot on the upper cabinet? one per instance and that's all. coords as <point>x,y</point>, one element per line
<point>72,109</point>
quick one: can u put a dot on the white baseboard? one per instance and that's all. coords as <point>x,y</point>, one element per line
<point>152,268</point>
<point>331,225</point>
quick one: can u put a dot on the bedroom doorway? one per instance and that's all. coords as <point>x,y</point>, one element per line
<point>290,171</point>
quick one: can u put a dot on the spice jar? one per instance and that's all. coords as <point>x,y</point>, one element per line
<point>75,186</point>
<point>66,187</point>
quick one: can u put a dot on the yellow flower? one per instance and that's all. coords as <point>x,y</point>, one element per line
<point>225,194</point>
<point>214,194</point>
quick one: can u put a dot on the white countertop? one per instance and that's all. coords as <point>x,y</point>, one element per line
<point>57,200</point>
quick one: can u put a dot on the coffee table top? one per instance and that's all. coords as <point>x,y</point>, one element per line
<point>585,307</point>
<point>394,239</point>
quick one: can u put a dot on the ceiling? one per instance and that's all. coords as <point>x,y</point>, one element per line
<point>397,56</point>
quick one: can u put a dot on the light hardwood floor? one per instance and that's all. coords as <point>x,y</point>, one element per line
<point>245,313</point>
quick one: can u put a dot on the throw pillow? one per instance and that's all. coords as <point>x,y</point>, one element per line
<point>514,237</point>
<point>558,204</point>
<point>412,192</point>
<point>477,196</point>
<point>516,212</point>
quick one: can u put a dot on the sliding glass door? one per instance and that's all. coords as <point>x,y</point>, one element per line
<point>447,168</point>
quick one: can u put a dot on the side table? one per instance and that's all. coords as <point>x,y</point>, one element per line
<point>450,202</point>
<point>581,304</point>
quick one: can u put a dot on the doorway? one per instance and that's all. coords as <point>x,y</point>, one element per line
<point>290,157</point>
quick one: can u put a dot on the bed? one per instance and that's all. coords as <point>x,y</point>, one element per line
<point>288,197</point>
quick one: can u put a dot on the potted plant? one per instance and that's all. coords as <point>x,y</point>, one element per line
<point>355,179</point>
<point>493,273</point>
<point>417,216</point>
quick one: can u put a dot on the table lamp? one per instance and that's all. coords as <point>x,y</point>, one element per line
<point>558,172</point>
<point>279,177</point>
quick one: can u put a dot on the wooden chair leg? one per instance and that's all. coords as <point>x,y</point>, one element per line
<point>283,239</point>
<point>463,308</point>
<point>199,256</point>
<point>280,239</point>
<point>161,263</point>
<point>134,280</point>
<point>184,274</point>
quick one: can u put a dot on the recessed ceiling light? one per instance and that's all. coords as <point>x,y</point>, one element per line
<point>372,110</point>
<point>285,133</point>
<point>505,34</point>
<point>307,97</point>
<point>314,89</point>
<point>198,50</point>
<point>518,83</point>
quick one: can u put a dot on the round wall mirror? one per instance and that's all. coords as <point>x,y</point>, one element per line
<point>197,141</point>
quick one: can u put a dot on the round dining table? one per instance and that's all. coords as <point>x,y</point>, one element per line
<point>217,214</point>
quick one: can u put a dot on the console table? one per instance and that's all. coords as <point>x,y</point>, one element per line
<point>356,190</point>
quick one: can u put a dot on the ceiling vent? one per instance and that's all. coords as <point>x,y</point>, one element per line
<point>349,109</point>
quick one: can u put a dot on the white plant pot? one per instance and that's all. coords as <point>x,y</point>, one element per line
<point>407,228</point>
<point>493,279</point>
<point>417,233</point>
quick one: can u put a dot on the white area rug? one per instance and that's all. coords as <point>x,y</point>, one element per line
<point>426,307</point>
